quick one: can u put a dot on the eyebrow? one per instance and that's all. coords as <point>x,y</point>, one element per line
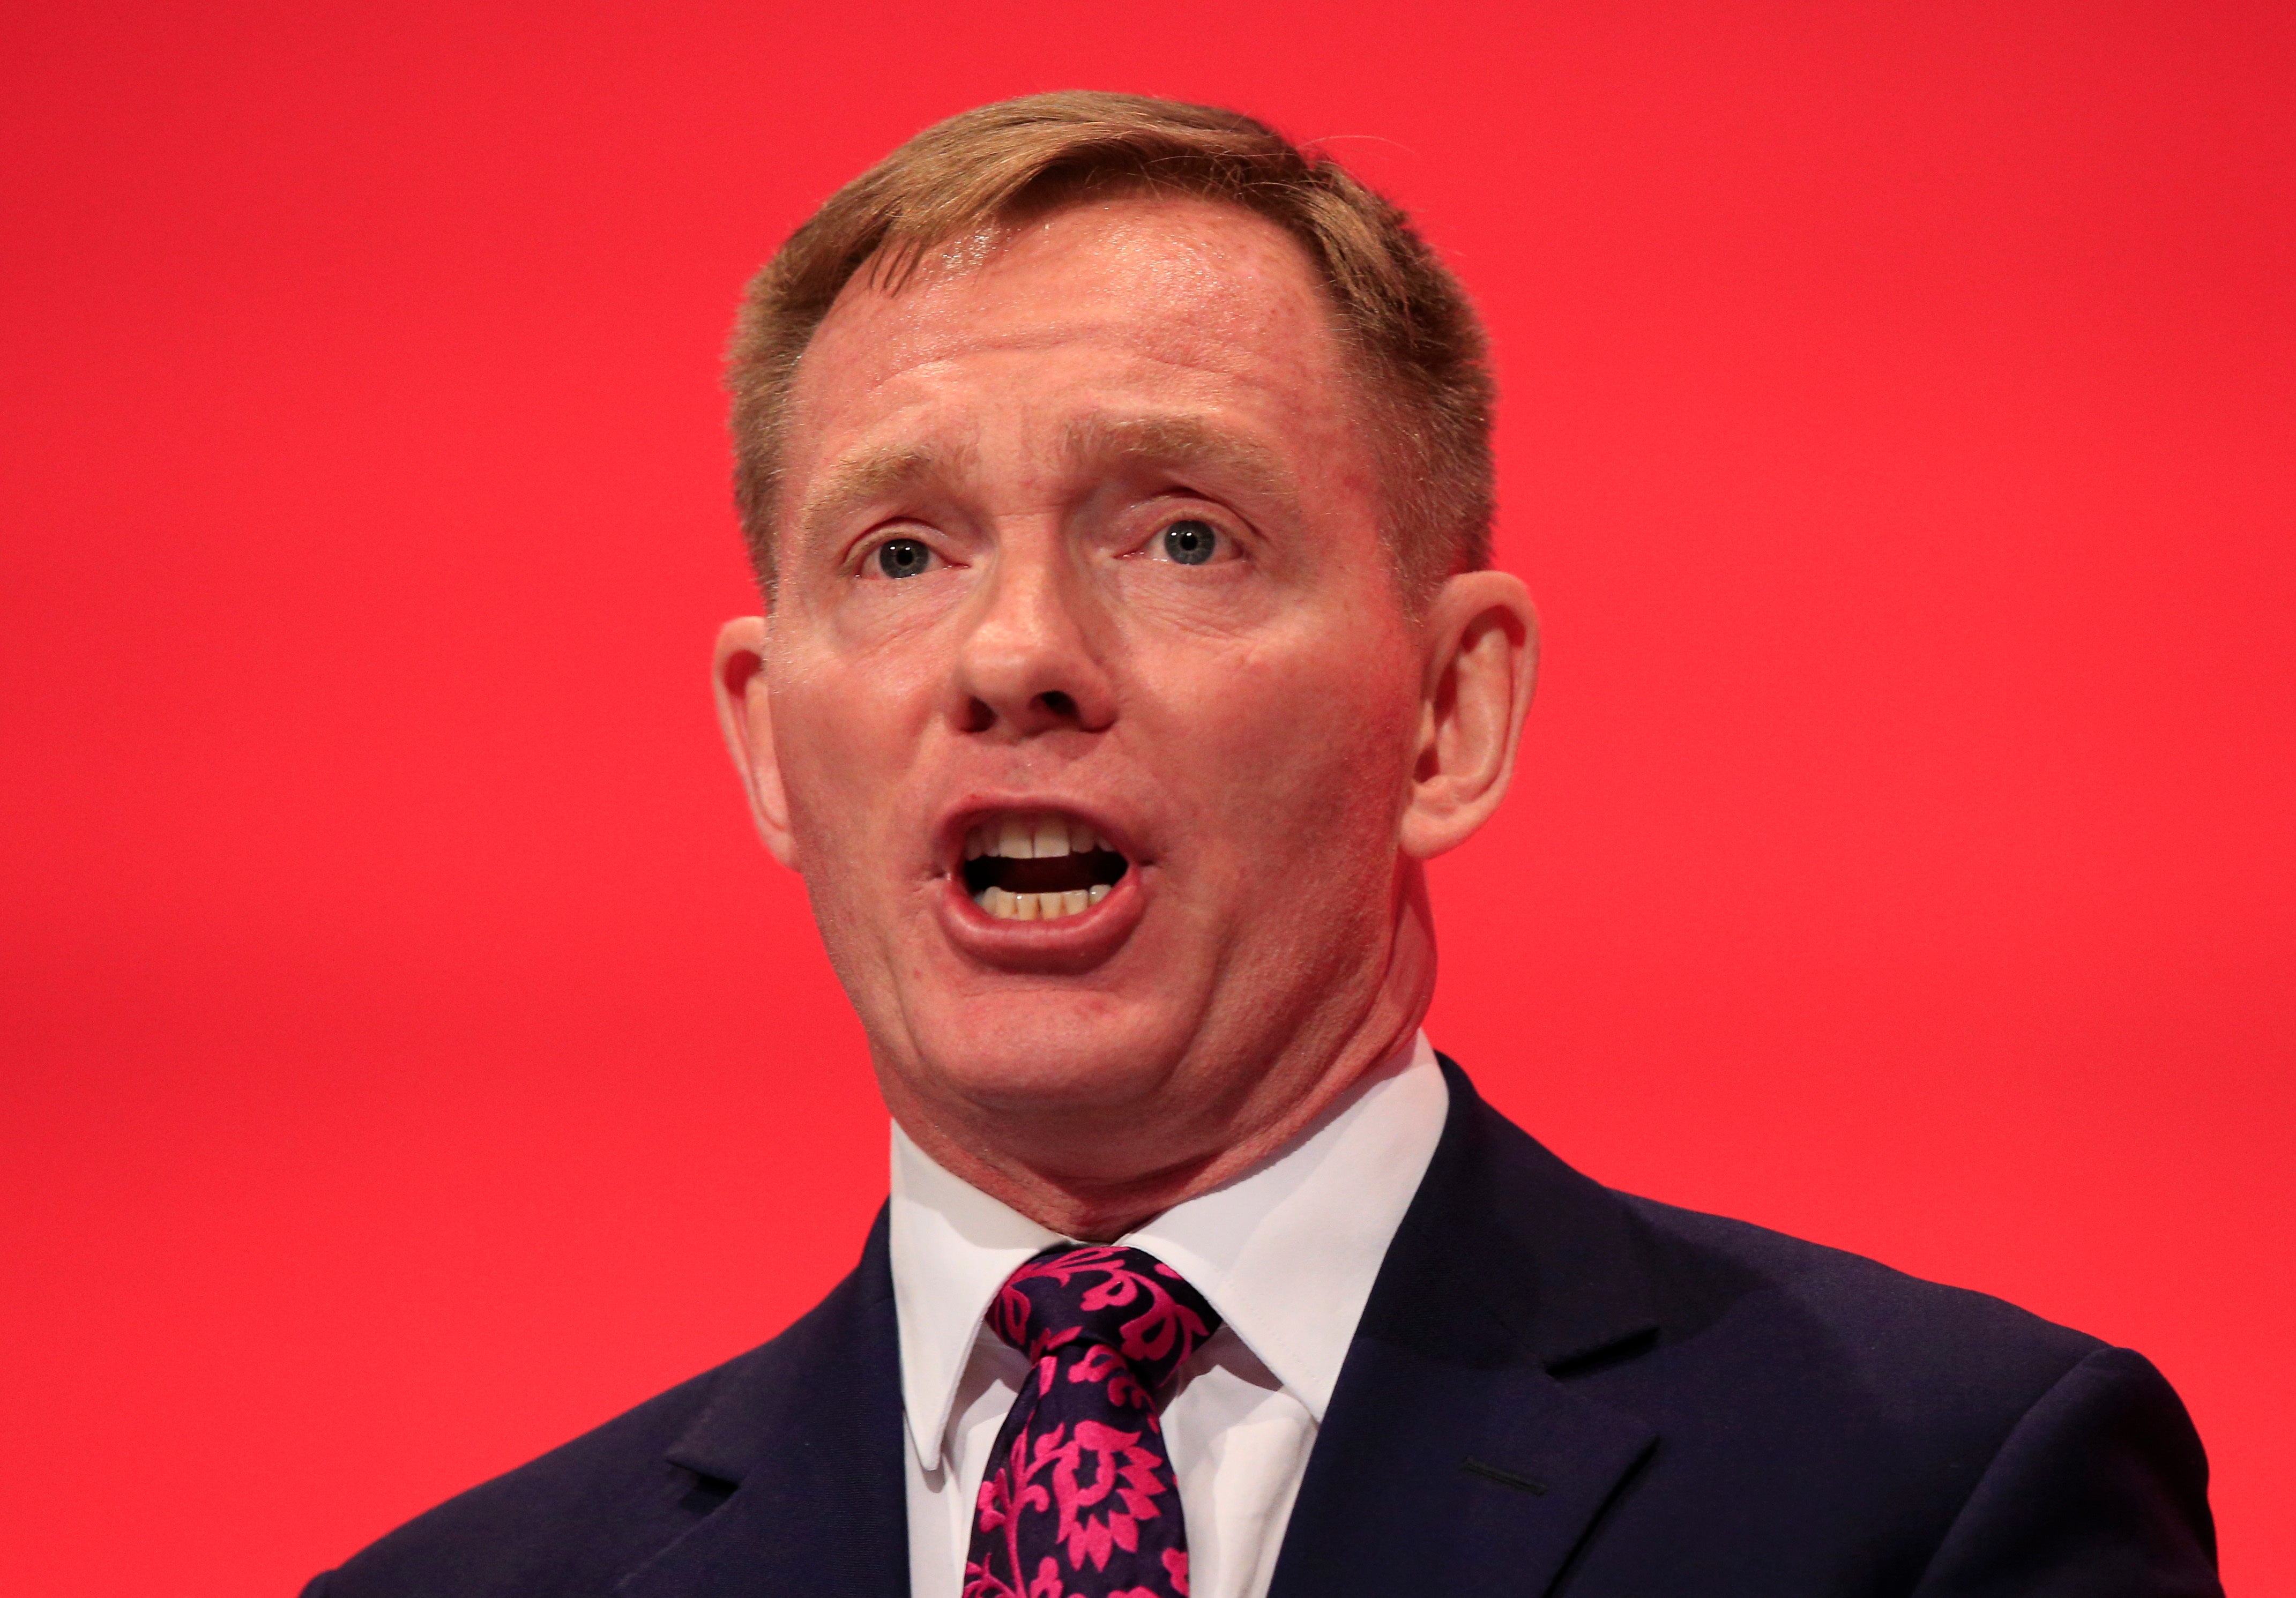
<point>1180,441</point>
<point>868,476</point>
<point>862,478</point>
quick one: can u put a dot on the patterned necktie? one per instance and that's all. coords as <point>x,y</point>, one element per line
<point>1079,1500</point>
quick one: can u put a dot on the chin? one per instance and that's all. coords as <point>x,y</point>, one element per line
<point>1039,1055</point>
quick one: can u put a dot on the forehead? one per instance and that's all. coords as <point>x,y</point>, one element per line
<point>1138,309</point>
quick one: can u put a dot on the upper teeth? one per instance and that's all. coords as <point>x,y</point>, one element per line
<point>1029,838</point>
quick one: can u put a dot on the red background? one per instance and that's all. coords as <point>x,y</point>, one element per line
<point>411,1059</point>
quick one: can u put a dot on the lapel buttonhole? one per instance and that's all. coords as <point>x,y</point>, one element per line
<point>1500,1474</point>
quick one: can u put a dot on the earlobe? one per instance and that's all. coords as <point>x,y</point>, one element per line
<point>1482,634</point>
<point>745,717</point>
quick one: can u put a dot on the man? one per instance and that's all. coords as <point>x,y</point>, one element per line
<point>1118,482</point>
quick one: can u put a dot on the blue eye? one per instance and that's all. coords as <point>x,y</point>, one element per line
<point>1190,543</point>
<point>902,557</point>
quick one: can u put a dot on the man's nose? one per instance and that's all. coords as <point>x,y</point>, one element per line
<point>1031,662</point>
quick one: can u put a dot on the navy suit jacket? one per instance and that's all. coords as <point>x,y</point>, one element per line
<point>1555,1389</point>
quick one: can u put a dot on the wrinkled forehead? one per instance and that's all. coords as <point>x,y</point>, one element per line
<point>1158,264</point>
<point>1177,307</point>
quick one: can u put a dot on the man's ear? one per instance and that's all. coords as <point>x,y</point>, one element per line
<point>1482,657</point>
<point>745,715</point>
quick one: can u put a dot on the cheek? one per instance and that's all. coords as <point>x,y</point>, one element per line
<point>1305,753</point>
<point>842,750</point>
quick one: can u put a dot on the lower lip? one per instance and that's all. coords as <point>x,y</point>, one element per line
<point>1066,942</point>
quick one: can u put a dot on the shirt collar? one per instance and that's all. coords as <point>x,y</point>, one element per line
<point>1287,1252</point>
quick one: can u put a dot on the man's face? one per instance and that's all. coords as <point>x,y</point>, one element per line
<point>1088,701</point>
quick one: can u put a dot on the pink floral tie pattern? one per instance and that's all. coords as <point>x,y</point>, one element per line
<point>1079,1501</point>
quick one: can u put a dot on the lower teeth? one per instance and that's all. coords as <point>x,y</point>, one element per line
<point>1040,906</point>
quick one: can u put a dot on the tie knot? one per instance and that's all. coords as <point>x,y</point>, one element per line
<point>1099,1296</point>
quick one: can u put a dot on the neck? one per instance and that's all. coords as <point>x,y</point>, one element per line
<point>1065,1185</point>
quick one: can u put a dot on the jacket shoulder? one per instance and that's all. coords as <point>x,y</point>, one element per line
<point>1882,1317</point>
<point>580,1517</point>
<point>1867,1429</point>
<point>572,1519</point>
<point>1822,1421</point>
<point>1716,1293</point>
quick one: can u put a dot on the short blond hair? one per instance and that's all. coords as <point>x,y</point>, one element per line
<point>1405,319</point>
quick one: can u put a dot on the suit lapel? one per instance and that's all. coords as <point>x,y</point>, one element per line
<point>1452,1459</point>
<point>809,1432</point>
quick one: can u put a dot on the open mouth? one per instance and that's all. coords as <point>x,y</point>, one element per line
<point>1037,866</point>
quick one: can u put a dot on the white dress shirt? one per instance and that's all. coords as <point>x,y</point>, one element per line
<point>1287,1254</point>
